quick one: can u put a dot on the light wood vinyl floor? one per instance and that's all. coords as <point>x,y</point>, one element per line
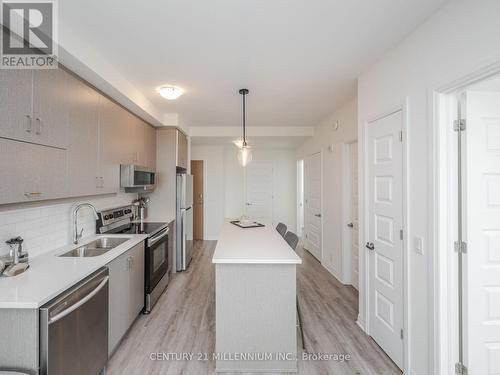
<point>183,321</point>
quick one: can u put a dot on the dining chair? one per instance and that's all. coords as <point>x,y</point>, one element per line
<point>281,228</point>
<point>292,240</point>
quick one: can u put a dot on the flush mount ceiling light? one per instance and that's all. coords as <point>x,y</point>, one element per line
<point>244,152</point>
<point>170,92</point>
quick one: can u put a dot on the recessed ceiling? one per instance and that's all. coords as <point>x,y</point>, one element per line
<point>300,59</point>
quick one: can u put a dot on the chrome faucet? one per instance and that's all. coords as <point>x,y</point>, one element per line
<point>78,235</point>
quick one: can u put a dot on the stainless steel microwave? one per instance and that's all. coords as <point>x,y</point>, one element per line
<point>137,178</point>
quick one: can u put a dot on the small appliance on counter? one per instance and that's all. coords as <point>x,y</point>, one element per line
<point>140,208</point>
<point>17,260</point>
<point>157,268</point>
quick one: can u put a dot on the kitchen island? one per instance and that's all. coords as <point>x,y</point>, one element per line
<point>255,286</point>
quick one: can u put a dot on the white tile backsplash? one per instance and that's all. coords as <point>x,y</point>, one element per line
<point>45,228</point>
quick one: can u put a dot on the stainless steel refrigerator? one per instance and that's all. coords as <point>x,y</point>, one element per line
<point>184,220</point>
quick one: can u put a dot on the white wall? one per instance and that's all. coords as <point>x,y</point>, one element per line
<point>48,226</point>
<point>224,184</point>
<point>332,201</point>
<point>461,38</point>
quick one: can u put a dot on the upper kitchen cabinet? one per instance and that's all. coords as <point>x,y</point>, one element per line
<point>50,107</point>
<point>34,172</point>
<point>182,150</point>
<point>150,145</point>
<point>33,106</point>
<point>112,141</point>
<point>16,120</point>
<point>84,177</point>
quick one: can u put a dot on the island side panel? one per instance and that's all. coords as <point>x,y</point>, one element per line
<point>19,348</point>
<point>256,313</point>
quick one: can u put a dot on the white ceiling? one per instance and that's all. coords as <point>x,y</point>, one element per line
<point>300,59</point>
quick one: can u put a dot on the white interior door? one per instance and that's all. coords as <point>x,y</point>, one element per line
<point>312,190</point>
<point>482,232</point>
<point>353,149</point>
<point>259,191</point>
<point>385,187</point>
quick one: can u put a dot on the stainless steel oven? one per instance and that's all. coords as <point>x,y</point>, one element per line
<point>157,266</point>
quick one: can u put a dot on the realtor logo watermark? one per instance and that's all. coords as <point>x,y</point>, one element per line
<point>29,34</point>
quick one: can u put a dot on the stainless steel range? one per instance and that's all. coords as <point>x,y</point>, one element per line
<point>157,262</point>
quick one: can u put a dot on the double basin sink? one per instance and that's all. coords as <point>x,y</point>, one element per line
<point>95,248</point>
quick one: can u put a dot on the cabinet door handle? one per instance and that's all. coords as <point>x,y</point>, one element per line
<point>102,182</point>
<point>39,123</point>
<point>29,124</point>
<point>33,194</point>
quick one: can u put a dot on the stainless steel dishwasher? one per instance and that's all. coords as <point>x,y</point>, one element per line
<point>74,329</point>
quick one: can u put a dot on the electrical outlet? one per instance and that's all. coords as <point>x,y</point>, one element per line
<point>419,245</point>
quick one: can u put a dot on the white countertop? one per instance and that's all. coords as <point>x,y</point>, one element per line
<point>263,245</point>
<point>49,275</point>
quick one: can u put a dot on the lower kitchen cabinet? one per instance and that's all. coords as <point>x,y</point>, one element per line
<point>126,292</point>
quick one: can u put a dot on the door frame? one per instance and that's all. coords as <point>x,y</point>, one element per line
<point>320,152</point>
<point>346,234</point>
<point>444,345</point>
<point>363,181</point>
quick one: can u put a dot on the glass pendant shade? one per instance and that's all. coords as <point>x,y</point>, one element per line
<point>244,156</point>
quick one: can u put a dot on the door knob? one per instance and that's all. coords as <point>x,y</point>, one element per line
<point>350,225</point>
<point>370,246</point>
<point>249,204</point>
<point>318,215</point>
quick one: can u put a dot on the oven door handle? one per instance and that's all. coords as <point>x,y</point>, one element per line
<point>157,237</point>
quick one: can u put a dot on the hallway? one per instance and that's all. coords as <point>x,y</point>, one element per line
<point>182,325</point>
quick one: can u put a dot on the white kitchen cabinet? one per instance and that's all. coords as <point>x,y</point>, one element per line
<point>83,145</point>
<point>126,292</point>
<point>31,172</point>
<point>111,140</point>
<point>50,107</point>
<point>33,106</point>
<point>15,104</point>
<point>182,150</point>
<point>150,145</point>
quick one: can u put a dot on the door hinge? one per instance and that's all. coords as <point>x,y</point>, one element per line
<point>401,136</point>
<point>461,247</point>
<point>460,369</point>
<point>402,335</point>
<point>401,234</point>
<point>459,125</point>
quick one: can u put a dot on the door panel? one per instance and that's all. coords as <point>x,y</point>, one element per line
<point>482,232</point>
<point>385,181</point>
<point>312,213</point>
<point>197,172</point>
<point>259,190</point>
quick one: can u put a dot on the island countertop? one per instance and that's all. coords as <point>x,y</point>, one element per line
<point>263,245</point>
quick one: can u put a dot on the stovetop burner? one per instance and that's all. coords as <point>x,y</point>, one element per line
<point>139,228</point>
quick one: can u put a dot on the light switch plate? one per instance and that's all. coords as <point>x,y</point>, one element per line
<point>419,245</point>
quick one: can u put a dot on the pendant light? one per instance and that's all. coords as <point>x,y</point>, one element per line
<point>244,153</point>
